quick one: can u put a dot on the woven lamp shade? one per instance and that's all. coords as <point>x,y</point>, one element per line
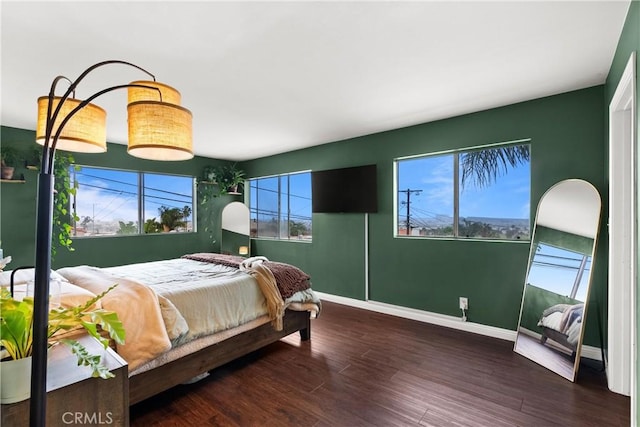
<point>159,131</point>
<point>169,94</point>
<point>85,132</point>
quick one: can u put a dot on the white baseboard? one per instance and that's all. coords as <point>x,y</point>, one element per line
<point>440,320</point>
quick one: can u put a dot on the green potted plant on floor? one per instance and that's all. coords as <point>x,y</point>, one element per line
<point>16,338</point>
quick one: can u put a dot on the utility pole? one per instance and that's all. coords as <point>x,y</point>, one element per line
<point>408,191</point>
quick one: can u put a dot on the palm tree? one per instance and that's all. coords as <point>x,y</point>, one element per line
<point>172,218</point>
<point>485,166</point>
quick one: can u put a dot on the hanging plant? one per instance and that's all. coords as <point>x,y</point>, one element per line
<point>64,189</point>
<point>219,180</point>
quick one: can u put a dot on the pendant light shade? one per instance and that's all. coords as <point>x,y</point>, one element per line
<point>159,131</point>
<point>85,132</point>
<point>159,128</point>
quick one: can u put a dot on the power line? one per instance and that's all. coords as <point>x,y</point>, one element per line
<point>409,191</point>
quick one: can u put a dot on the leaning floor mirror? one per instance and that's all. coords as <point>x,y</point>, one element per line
<point>235,230</point>
<point>556,290</point>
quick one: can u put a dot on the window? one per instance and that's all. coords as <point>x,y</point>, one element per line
<point>111,202</point>
<point>562,271</point>
<point>280,206</point>
<point>481,193</point>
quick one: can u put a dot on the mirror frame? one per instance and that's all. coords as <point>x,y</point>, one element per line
<point>235,225</point>
<point>563,208</point>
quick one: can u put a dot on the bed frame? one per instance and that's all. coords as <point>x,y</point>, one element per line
<point>154,381</point>
<point>560,338</point>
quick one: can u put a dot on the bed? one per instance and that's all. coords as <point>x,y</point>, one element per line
<point>186,316</point>
<point>562,323</point>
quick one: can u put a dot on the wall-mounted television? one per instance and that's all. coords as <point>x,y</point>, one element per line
<point>346,190</point>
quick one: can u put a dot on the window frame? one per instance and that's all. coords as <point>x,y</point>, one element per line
<point>279,214</point>
<point>456,192</point>
<point>140,202</point>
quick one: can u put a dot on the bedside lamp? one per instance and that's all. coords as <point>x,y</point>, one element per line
<point>243,250</point>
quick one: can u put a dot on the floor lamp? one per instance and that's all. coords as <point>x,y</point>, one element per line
<point>159,129</point>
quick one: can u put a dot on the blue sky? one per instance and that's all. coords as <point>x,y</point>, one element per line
<point>108,195</point>
<point>507,197</point>
<point>555,269</point>
<point>300,195</point>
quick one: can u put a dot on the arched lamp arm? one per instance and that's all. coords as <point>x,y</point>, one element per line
<point>50,121</point>
<point>47,154</point>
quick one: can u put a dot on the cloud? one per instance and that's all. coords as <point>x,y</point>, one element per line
<point>106,206</point>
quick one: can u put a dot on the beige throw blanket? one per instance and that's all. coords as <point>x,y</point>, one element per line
<point>138,308</point>
<point>267,284</point>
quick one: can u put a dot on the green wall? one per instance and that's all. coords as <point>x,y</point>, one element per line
<point>18,208</point>
<point>567,137</point>
<point>628,43</point>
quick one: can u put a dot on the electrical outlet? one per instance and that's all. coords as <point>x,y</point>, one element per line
<point>464,303</point>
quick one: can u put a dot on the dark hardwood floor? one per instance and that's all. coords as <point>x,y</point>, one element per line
<point>367,369</point>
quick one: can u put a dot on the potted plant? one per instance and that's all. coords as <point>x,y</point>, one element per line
<point>8,159</point>
<point>232,178</point>
<point>16,319</point>
<point>33,157</point>
<point>227,178</point>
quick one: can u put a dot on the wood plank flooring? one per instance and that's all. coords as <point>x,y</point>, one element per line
<point>368,369</point>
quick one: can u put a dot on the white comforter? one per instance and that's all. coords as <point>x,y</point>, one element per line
<point>210,297</point>
<point>184,300</point>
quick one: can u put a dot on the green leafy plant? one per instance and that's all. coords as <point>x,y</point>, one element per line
<point>16,328</point>
<point>127,228</point>
<point>172,218</point>
<point>221,180</point>
<point>8,162</point>
<point>8,156</point>
<point>216,181</point>
<point>483,167</point>
<point>33,157</point>
<point>64,191</point>
<point>152,226</point>
<point>232,178</point>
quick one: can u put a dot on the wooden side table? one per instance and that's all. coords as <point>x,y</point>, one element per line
<point>74,397</point>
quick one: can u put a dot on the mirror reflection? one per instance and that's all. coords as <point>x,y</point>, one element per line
<point>235,238</point>
<point>556,293</point>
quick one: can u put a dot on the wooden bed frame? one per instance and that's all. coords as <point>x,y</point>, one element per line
<point>560,338</point>
<point>156,380</point>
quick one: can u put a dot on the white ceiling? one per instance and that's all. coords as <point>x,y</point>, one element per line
<point>267,77</point>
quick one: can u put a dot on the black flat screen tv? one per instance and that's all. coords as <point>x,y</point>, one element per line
<point>346,190</point>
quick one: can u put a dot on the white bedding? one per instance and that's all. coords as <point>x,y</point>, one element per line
<point>555,321</point>
<point>210,297</point>
<point>551,321</point>
<point>190,299</point>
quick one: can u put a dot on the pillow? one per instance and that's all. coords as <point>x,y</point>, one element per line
<point>24,276</point>
<point>61,290</point>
